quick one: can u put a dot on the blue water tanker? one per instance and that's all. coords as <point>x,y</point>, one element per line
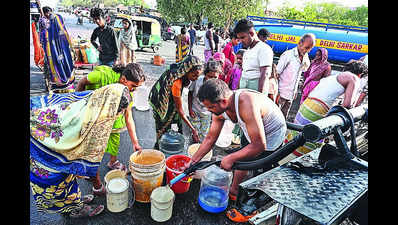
<point>342,42</point>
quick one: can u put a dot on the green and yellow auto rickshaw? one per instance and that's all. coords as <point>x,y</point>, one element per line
<point>148,30</point>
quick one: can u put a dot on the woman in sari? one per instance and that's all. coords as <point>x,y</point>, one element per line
<point>69,134</point>
<point>166,96</point>
<point>182,41</point>
<point>38,49</point>
<point>132,76</point>
<point>56,43</point>
<point>128,42</point>
<point>318,69</point>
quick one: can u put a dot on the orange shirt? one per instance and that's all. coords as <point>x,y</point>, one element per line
<point>176,88</point>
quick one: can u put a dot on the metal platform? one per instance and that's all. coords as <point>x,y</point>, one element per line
<point>323,195</point>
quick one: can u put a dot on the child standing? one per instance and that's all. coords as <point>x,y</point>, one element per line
<point>199,116</point>
<point>236,70</point>
<point>273,84</point>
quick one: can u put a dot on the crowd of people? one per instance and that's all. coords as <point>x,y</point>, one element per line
<point>238,81</point>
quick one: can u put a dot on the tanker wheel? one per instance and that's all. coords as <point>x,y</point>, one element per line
<point>155,49</point>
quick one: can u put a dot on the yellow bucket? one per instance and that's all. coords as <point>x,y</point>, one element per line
<point>147,169</point>
<point>191,151</point>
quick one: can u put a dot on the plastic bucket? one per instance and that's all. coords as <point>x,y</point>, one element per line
<point>191,151</point>
<point>114,174</point>
<point>147,169</point>
<point>173,165</point>
<point>117,194</point>
<point>162,199</point>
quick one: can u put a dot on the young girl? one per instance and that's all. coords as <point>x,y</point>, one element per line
<point>127,42</point>
<point>236,70</point>
<point>273,84</point>
<point>200,117</point>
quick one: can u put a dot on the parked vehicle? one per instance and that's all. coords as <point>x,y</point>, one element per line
<point>148,30</point>
<point>342,42</point>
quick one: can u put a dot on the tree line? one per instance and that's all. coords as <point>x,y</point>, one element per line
<point>224,13</point>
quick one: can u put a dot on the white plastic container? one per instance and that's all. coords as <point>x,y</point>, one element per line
<point>141,98</point>
<point>226,135</point>
<point>162,199</point>
<point>117,196</point>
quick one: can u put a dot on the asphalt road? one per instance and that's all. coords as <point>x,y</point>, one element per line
<point>185,209</point>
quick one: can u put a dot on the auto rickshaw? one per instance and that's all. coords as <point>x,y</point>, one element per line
<point>148,30</point>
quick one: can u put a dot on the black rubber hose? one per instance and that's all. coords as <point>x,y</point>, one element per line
<point>293,126</point>
<point>274,157</point>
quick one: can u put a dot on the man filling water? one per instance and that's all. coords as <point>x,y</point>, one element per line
<point>260,119</point>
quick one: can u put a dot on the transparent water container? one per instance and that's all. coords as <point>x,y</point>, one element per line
<point>172,142</point>
<point>214,189</point>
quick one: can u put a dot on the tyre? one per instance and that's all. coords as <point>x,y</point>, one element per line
<point>155,49</point>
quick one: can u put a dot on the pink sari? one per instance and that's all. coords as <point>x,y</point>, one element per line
<point>317,67</point>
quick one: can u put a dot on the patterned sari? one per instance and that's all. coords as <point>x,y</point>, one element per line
<point>182,47</point>
<point>69,134</point>
<point>160,97</point>
<point>57,48</point>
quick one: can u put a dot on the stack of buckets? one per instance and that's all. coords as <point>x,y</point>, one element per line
<point>147,168</point>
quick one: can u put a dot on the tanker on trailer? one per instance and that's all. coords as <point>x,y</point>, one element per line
<point>342,42</point>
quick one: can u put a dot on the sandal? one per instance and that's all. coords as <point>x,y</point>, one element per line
<point>236,216</point>
<point>87,211</point>
<point>116,165</point>
<point>99,192</point>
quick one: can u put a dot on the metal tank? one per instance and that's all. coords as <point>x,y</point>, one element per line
<point>342,42</point>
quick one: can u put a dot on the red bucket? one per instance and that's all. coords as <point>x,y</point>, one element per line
<point>174,165</point>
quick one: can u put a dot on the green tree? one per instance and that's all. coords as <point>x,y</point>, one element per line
<point>327,13</point>
<point>221,12</point>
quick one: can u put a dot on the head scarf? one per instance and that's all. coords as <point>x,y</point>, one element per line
<point>226,66</point>
<point>219,56</point>
<point>159,96</point>
<point>70,132</point>
<point>128,37</point>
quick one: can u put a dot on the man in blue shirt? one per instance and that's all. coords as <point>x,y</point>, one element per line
<point>192,35</point>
